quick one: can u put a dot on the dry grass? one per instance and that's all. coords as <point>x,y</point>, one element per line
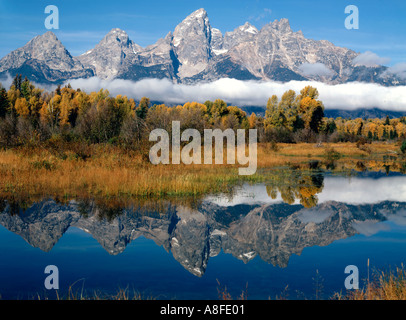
<point>390,285</point>
<point>122,294</point>
<point>224,294</point>
<point>113,172</point>
<point>108,173</point>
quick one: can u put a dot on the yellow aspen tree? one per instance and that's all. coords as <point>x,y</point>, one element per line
<point>44,113</point>
<point>22,108</point>
<point>252,121</point>
<point>65,109</point>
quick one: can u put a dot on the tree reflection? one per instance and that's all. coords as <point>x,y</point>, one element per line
<point>296,185</point>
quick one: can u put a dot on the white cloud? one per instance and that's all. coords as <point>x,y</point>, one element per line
<point>398,70</point>
<point>6,82</point>
<point>316,69</point>
<point>370,59</point>
<point>348,96</point>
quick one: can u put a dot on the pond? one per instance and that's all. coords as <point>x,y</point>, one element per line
<point>291,237</point>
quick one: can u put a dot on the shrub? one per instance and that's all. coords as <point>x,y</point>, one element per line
<point>8,131</point>
<point>361,141</point>
<point>332,154</point>
<point>305,135</point>
<point>274,146</point>
<point>280,134</point>
<point>45,164</point>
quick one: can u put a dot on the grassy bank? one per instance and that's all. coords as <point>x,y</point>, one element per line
<point>108,171</point>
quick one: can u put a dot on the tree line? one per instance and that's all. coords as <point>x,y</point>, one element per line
<point>32,115</point>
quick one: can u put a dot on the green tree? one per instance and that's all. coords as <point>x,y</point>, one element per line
<point>271,106</point>
<point>142,110</point>
<point>17,82</point>
<point>4,103</point>
<point>26,88</point>
<point>274,116</point>
<point>209,105</point>
<point>219,109</point>
<point>310,109</point>
<point>288,107</point>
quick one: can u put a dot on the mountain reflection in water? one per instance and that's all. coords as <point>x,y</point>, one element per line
<point>273,220</point>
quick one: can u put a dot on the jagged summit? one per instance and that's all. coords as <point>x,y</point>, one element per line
<point>117,35</point>
<point>282,25</point>
<point>192,44</point>
<point>200,13</point>
<point>44,59</point>
<point>49,35</point>
<point>113,52</point>
<point>195,52</point>
<point>247,27</point>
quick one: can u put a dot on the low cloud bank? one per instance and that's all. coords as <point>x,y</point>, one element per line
<point>370,59</point>
<point>348,96</point>
<point>399,70</point>
<point>315,69</point>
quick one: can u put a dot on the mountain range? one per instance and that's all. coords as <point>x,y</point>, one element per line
<point>196,52</point>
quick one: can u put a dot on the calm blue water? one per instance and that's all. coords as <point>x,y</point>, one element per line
<point>203,248</point>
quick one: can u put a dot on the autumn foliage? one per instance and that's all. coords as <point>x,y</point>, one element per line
<point>30,115</point>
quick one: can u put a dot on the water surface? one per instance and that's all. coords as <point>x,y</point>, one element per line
<point>291,236</point>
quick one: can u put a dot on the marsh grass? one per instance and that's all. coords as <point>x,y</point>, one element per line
<point>385,285</point>
<point>77,291</point>
<point>107,171</point>
<point>224,294</point>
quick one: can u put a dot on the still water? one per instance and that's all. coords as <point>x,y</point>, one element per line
<point>292,237</point>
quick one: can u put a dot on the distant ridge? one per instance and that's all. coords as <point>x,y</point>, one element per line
<point>335,113</point>
<point>363,113</point>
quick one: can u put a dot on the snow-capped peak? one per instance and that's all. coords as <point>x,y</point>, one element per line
<point>247,27</point>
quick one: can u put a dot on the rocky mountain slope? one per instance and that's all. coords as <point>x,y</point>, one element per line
<point>196,52</point>
<point>44,59</point>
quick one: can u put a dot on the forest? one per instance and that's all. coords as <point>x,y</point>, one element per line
<point>31,116</point>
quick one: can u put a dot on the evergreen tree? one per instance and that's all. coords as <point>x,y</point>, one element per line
<point>26,89</point>
<point>58,90</point>
<point>17,82</point>
<point>331,127</point>
<point>4,103</point>
<point>142,109</point>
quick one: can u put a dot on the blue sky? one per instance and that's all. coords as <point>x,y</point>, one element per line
<point>83,24</point>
